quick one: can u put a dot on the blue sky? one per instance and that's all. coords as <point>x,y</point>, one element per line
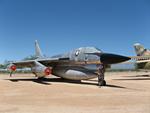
<point>62,25</point>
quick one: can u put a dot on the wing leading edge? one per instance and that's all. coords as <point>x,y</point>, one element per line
<point>47,61</point>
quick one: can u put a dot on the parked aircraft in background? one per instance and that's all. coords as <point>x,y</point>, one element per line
<point>74,65</point>
<point>143,57</point>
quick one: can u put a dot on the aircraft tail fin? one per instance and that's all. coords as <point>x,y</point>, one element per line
<point>38,52</point>
<point>140,50</point>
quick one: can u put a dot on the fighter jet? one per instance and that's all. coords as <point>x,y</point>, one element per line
<point>142,58</point>
<point>74,65</point>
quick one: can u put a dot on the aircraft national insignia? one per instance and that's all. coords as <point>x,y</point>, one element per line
<point>77,52</point>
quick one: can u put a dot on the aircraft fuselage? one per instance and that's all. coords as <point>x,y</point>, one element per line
<point>75,71</point>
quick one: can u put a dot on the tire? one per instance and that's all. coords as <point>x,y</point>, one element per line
<point>40,78</point>
<point>102,84</point>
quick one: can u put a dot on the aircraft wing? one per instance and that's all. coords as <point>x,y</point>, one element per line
<point>142,61</point>
<point>137,59</point>
<point>140,58</point>
<point>47,61</point>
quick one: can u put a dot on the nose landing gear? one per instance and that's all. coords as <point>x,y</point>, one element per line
<point>101,71</point>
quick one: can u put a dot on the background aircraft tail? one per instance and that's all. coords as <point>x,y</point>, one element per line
<point>140,50</point>
<point>38,52</point>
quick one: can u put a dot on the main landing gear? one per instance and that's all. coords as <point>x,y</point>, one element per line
<point>101,71</point>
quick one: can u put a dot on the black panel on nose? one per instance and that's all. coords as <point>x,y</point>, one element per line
<point>108,58</point>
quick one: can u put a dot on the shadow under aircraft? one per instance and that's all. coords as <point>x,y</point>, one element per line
<point>48,81</point>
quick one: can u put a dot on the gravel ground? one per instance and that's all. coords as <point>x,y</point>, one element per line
<point>126,92</point>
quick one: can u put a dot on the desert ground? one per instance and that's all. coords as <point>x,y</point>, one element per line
<point>126,92</point>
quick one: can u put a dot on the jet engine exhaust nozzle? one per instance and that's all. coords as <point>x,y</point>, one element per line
<point>12,67</point>
<point>47,71</point>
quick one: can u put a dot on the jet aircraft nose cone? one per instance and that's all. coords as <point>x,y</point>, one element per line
<point>108,58</point>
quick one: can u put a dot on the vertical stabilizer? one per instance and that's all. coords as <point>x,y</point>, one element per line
<point>38,51</point>
<point>140,50</point>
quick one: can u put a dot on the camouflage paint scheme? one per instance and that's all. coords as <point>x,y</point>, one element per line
<point>144,55</point>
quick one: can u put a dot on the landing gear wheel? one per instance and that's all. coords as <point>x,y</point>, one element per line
<point>102,83</point>
<point>101,72</point>
<point>62,78</point>
<point>40,78</point>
